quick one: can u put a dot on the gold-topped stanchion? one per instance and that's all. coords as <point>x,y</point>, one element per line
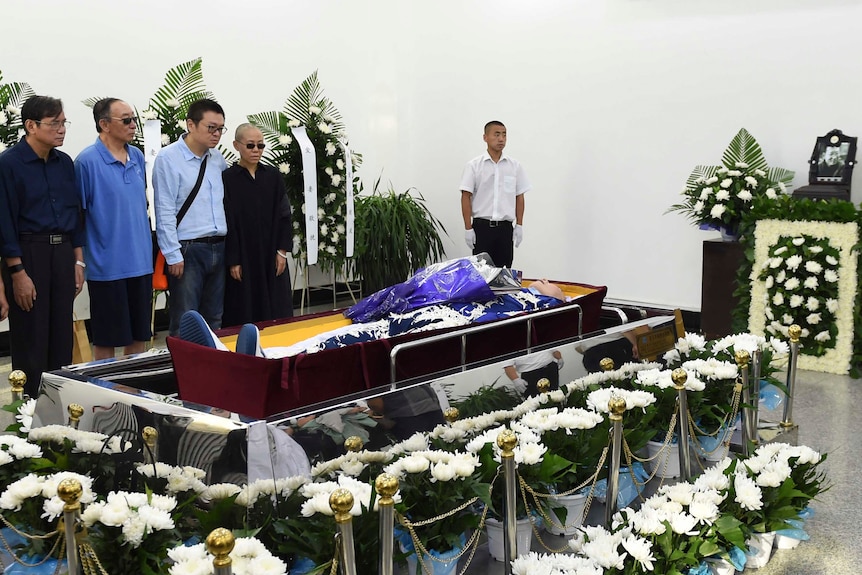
<point>795,332</point>
<point>452,414</point>
<point>70,491</point>
<point>353,443</point>
<point>607,364</point>
<point>679,377</point>
<point>220,543</point>
<point>543,385</point>
<point>341,502</point>
<point>151,448</point>
<point>386,486</point>
<point>743,358</point>
<point>76,410</point>
<point>506,441</point>
<point>616,409</point>
<point>17,379</point>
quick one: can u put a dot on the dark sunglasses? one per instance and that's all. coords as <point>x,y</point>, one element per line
<point>126,121</point>
<point>251,146</point>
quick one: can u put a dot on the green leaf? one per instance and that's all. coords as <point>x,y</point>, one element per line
<point>184,83</point>
<point>745,149</point>
<point>14,93</point>
<point>700,173</point>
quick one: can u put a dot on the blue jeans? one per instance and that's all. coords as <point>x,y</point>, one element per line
<point>201,286</point>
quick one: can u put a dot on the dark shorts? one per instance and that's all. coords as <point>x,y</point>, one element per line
<point>121,310</point>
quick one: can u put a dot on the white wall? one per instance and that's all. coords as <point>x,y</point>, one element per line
<point>609,103</point>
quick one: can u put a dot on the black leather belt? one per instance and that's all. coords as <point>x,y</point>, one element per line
<point>492,223</point>
<point>53,239</point>
<point>206,240</point>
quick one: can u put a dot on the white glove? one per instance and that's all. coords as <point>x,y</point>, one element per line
<point>520,385</point>
<point>559,363</point>
<point>518,235</point>
<point>470,238</point>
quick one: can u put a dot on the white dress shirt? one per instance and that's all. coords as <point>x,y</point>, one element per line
<point>494,186</point>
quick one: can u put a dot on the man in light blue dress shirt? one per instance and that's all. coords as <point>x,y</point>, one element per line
<point>194,250</point>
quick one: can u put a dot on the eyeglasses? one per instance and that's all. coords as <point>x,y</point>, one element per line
<point>212,129</point>
<point>251,146</point>
<point>126,121</point>
<point>55,125</point>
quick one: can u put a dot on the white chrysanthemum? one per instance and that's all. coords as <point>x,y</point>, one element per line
<point>722,195</point>
<point>831,260</point>
<point>314,110</point>
<point>324,128</point>
<point>726,183</point>
<point>717,210</point>
<point>813,304</point>
<point>330,149</point>
<point>822,336</point>
<point>810,282</point>
<point>791,283</point>
<point>165,139</point>
<point>336,180</point>
<point>796,300</point>
<point>748,494</point>
<point>831,276</point>
<point>284,168</point>
<point>285,140</point>
<point>293,123</point>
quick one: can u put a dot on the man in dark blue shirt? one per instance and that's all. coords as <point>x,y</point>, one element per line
<point>41,239</point>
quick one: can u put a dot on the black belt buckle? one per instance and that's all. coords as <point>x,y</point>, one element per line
<point>55,239</point>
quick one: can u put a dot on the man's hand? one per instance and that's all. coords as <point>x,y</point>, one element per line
<point>559,361</point>
<point>520,385</point>
<point>280,265</point>
<point>236,273</point>
<point>4,306</point>
<point>470,238</point>
<point>23,290</point>
<point>79,279</point>
<point>518,234</point>
<point>176,270</point>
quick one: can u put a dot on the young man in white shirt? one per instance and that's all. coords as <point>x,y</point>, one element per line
<point>492,199</point>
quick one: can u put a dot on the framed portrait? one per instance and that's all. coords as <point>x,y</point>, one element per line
<point>833,159</point>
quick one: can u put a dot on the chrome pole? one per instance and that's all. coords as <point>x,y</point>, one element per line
<point>70,491</point>
<point>220,543</point>
<point>679,377</point>
<point>341,502</point>
<point>507,440</point>
<point>742,359</point>
<point>386,486</point>
<point>616,408</point>
<point>755,395</point>
<point>795,332</point>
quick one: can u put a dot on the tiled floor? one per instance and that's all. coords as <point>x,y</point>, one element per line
<point>827,409</point>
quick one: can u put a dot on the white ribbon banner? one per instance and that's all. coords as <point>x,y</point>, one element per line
<point>309,186</point>
<point>152,144</point>
<point>348,223</point>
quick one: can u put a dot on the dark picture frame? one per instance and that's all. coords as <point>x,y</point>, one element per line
<point>832,160</point>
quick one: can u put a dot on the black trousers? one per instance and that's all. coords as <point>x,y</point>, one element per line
<point>551,372</point>
<point>41,339</point>
<point>495,238</point>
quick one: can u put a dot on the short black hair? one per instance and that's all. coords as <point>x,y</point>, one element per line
<point>200,107</point>
<point>37,108</point>
<point>102,111</point>
<point>494,123</point>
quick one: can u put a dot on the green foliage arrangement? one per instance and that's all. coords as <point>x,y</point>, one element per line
<point>12,96</point>
<point>396,234</point>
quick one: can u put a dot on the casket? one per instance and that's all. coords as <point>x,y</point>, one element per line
<point>260,387</point>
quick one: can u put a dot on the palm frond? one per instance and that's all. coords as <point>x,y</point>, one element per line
<point>90,102</point>
<point>745,149</point>
<point>271,124</point>
<point>782,175</point>
<point>699,174</point>
<point>307,94</point>
<point>15,93</point>
<point>184,83</point>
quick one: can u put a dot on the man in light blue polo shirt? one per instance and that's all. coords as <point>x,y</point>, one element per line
<point>194,249</point>
<point>112,183</point>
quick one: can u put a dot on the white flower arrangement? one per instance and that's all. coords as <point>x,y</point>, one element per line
<point>136,514</point>
<point>82,441</point>
<point>179,479</point>
<point>443,465</point>
<point>351,463</point>
<point>635,399</point>
<point>283,487</point>
<point>14,448</point>
<point>317,496</point>
<point>819,257</point>
<point>44,487</point>
<point>249,557</point>
<point>554,564</point>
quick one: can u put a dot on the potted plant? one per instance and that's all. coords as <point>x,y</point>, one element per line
<point>396,234</point>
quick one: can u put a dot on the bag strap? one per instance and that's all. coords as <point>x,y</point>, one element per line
<point>188,203</point>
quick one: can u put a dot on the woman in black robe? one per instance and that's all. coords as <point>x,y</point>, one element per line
<point>259,236</point>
